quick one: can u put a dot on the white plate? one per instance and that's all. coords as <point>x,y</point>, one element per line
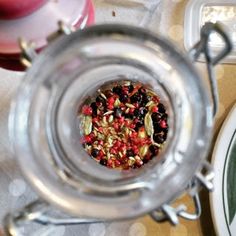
<point>223,199</point>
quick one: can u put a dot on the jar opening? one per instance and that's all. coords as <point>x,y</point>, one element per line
<point>80,93</point>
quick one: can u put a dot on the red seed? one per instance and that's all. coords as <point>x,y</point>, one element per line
<point>122,119</point>
<point>86,139</point>
<point>135,141</point>
<point>148,157</point>
<point>113,151</point>
<point>135,150</point>
<point>111,100</point>
<point>110,106</point>
<point>95,120</point>
<point>123,144</point>
<point>117,163</point>
<point>117,144</point>
<point>87,110</point>
<point>155,99</point>
<point>125,90</point>
<point>92,135</point>
<point>139,163</point>
<point>155,109</point>
<point>132,126</point>
<point>131,110</point>
<point>127,122</point>
<point>142,142</point>
<point>163,124</point>
<point>134,134</point>
<point>109,162</point>
<point>142,129</point>
<point>148,141</point>
<point>101,154</point>
<point>100,129</point>
<point>100,142</point>
<point>116,126</point>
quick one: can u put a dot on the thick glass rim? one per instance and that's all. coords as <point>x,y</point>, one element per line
<point>132,205</point>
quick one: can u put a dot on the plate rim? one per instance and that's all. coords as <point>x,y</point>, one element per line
<point>225,136</point>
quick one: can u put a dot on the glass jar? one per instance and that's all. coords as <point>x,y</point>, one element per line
<point>44,126</point>
<point>36,26</point>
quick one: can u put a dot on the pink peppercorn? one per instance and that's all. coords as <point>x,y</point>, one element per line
<point>100,142</point>
<point>121,120</point>
<point>117,163</point>
<point>116,126</point>
<point>109,163</point>
<point>95,120</point>
<point>87,110</point>
<point>132,126</point>
<point>156,99</point>
<point>131,110</point>
<point>100,129</point>
<point>134,134</point>
<point>111,100</point>
<point>126,123</point>
<point>135,149</point>
<point>117,143</point>
<point>113,151</point>
<point>155,109</point>
<point>110,106</point>
<point>86,139</point>
<point>101,154</point>
<point>123,148</point>
<point>163,124</point>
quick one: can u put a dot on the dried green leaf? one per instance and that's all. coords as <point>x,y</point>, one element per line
<point>150,103</point>
<point>126,131</point>
<point>127,110</point>
<point>87,125</point>
<point>103,95</point>
<point>109,140</point>
<point>129,105</point>
<point>143,150</point>
<point>101,136</point>
<point>108,113</point>
<point>142,134</point>
<point>111,118</point>
<point>151,93</point>
<point>117,103</point>
<point>127,83</point>
<point>156,144</point>
<point>148,124</point>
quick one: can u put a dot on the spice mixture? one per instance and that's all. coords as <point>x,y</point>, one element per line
<point>125,126</point>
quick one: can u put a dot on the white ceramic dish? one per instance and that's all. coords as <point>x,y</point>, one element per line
<point>223,199</point>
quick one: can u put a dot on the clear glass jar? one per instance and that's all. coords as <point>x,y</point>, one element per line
<point>45,131</point>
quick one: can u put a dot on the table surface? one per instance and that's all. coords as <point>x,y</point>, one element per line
<point>15,192</point>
